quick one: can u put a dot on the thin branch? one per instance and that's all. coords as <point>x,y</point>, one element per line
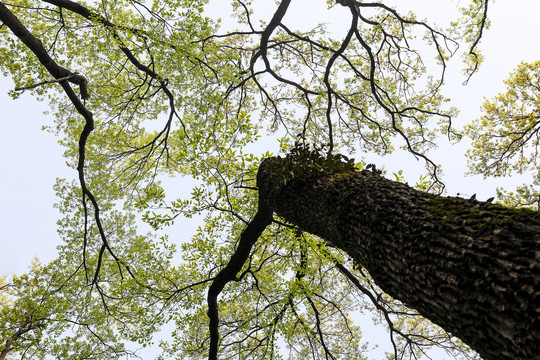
<point>472,49</point>
<point>51,82</point>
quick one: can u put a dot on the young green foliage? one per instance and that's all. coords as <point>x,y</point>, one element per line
<point>173,95</point>
<point>506,138</point>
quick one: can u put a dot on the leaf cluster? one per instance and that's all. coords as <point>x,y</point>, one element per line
<point>170,95</point>
<point>506,138</point>
<point>302,160</point>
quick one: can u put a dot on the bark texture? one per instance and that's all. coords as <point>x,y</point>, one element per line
<point>470,267</point>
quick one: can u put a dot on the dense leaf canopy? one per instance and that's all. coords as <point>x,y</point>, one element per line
<point>142,91</point>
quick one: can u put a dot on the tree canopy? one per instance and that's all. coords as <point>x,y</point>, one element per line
<point>142,91</point>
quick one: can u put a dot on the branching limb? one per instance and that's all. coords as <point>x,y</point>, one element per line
<point>36,46</point>
<point>249,236</point>
<point>61,74</point>
<point>265,37</point>
<point>342,269</point>
<point>329,65</point>
<point>472,50</point>
<point>26,327</point>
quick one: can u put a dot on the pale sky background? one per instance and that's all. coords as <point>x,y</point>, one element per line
<point>31,160</point>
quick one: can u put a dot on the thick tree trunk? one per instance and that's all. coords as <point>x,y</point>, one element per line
<point>470,267</point>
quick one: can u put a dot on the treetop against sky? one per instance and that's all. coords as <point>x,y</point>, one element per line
<point>137,92</point>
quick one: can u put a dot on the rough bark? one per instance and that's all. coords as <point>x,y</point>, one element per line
<point>468,266</point>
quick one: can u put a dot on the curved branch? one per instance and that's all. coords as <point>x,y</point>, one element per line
<point>249,236</point>
<point>61,74</point>
<point>27,327</point>
<point>472,49</point>
<point>335,55</point>
<point>274,23</point>
<point>89,15</point>
<point>36,46</point>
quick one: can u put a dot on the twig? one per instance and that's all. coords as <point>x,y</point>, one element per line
<point>46,82</point>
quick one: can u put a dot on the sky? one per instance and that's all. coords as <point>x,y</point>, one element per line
<point>31,159</point>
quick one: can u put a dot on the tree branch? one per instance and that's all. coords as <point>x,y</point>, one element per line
<point>249,236</point>
<point>36,46</point>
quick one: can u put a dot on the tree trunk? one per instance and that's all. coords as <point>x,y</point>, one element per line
<point>470,267</point>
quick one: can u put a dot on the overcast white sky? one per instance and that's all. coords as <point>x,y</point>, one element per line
<point>30,159</point>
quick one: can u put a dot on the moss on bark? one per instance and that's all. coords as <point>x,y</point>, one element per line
<point>471,267</point>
